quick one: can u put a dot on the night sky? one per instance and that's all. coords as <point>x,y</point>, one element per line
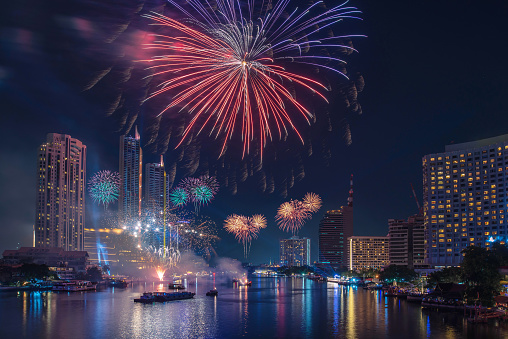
<point>435,73</point>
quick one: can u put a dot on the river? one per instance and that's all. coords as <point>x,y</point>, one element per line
<point>270,308</point>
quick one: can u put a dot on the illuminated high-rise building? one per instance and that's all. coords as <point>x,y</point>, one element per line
<point>154,185</point>
<point>334,230</point>
<point>61,187</point>
<point>367,252</point>
<point>465,202</point>
<point>131,157</point>
<point>295,251</point>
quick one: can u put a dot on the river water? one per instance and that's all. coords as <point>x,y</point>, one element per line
<point>270,308</point>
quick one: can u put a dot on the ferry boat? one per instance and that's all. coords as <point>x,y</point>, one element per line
<point>160,297</point>
<point>73,286</point>
<point>146,298</point>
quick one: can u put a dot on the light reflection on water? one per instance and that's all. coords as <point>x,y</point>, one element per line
<point>271,307</point>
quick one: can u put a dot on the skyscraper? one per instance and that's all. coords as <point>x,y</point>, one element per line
<point>334,230</point>
<point>295,251</point>
<point>61,186</point>
<point>407,241</point>
<point>131,157</point>
<point>154,185</point>
<point>465,203</point>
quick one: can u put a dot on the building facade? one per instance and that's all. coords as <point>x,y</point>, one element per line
<point>465,203</point>
<point>100,244</point>
<point>65,263</point>
<point>60,197</point>
<point>407,241</point>
<point>131,169</point>
<point>295,251</point>
<point>334,230</point>
<point>154,185</point>
<point>368,252</point>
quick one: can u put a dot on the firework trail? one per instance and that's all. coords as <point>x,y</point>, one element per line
<point>104,187</point>
<point>245,229</point>
<point>292,215</point>
<point>107,36</point>
<point>227,69</point>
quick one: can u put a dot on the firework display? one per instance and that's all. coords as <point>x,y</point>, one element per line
<point>179,197</point>
<point>245,228</point>
<point>104,187</point>
<point>227,69</point>
<point>119,82</point>
<point>292,215</point>
<point>312,202</point>
<point>199,191</point>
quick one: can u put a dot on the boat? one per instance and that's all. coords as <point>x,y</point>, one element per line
<point>176,286</point>
<point>73,286</point>
<point>160,297</point>
<point>416,297</point>
<point>146,298</point>
<point>118,283</point>
<point>212,293</point>
<point>171,296</point>
<point>391,292</point>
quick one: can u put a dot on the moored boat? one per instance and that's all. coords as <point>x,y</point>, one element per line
<point>118,283</point>
<point>73,286</point>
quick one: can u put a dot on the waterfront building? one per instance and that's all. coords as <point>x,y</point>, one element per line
<point>368,252</point>
<point>334,230</point>
<point>131,157</point>
<point>464,191</point>
<point>101,245</point>
<point>154,185</point>
<point>295,251</point>
<point>60,196</point>
<point>65,263</point>
<point>407,241</point>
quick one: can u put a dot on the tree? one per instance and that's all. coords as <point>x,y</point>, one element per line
<point>481,275</point>
<point>501,252</point>
<point>34,272</point>
<point>93,274</point>
<point>446,275</point>
<point>398,274</point>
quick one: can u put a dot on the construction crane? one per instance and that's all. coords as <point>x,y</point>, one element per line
<point>420,210</point>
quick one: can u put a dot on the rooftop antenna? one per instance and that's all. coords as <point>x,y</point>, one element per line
<point>350,198</point>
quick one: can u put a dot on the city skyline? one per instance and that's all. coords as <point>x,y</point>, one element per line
<point>411,89</point>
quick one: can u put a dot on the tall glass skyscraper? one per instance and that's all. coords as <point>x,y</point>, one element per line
<point>334,230</point>
<point>465,198</point>
<point>154,185</point>
<point>61,187</point>
<point>131,157</point>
